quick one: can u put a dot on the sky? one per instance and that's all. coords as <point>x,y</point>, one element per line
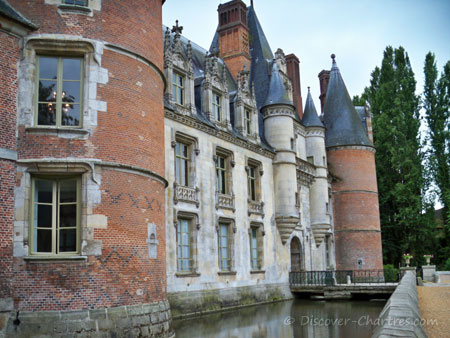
<point>357,31</point>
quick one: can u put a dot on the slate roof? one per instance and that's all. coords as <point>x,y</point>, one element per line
<point>361,110</point>
<point>342,122</point>
<point>277,93</point>
<point>10,12</point>
<point>310,117</point>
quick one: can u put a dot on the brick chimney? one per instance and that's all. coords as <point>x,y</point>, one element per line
<point>324,78</point>
<point>233,36</point>
<point>293,71</point>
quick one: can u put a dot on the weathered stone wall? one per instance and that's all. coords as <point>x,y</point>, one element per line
<point>204,301</point>
<point>144,320</point>
<point>400,317</point>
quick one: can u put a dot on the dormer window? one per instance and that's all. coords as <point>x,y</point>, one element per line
<point>248,122</point>
<point>178,88</point>
<point>217,106</point>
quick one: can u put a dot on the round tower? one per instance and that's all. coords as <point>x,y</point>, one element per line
<point>278,113</point>
<point>90,184</point>
<point>315,152</point>
<point>351,158</point>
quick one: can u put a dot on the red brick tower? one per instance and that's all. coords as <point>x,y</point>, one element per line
<point>233,36</point>
<point>89,227</point>
<point>351,159</point>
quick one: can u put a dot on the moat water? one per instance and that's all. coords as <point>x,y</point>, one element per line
<point>294,318</point>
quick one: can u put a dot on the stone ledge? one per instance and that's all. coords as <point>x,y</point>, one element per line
<point>52,259</point>
<point>152,319</point>
<point>401,317</point>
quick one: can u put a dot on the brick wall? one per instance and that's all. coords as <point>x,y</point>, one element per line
<point>128,133</point>
<point>8,97</point>
<point>356,210</point>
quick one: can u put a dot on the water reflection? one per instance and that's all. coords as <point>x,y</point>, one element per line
<point>298,318</point>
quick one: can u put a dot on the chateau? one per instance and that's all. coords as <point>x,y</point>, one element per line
<point>144,177</point>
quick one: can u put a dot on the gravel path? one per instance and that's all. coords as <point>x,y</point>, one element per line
<point>434,304</point>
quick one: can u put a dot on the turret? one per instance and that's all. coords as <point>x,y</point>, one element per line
<point>278,114</point>
<point>315,152</point>
<point>351,158</point>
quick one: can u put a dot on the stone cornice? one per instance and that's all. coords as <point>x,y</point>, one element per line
<point>353,147</point>
<point>192,122</point>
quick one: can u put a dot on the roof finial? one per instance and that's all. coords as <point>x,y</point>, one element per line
<point>333,56</point>
<point>251,3</point>
<point>309,89</point>
<point>177,29</point>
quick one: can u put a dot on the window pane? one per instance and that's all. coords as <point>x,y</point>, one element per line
<point>185,226</point>
<point>43,191</point>
<point>70,114</point>
<point>180,96</point>
<point>223,230</point>
<point>67,240</point>
<point>71,69</point>
<point>43,216</point>
<point>47,91</point>
<point>46,114</point>
<point>174,93</point>
<point>186,252</point>
<point>48,68</point>
<point>71,91</point>
<point>43,240</point>
<point>68,191</point>
<point>68,216</point>
<point>183,172</point>
<point>76,2</point>
<point>185,238</point>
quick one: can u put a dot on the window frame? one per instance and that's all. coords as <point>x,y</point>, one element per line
<point>178,159</point>
<point>258,229</point>
<point>221,182</point>
<point>222,268</point>
<point>190,245</point>
<point>59,89</point>
<point>55,210</point>
<point>64,2</point>
<point>247,121</point>
<point>252,182</point>
<point>217,107</point>
<point>175,85</point>
<point>257,179</point>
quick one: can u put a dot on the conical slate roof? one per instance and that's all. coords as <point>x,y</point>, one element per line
<point>277,91</point>
<point>310,117</point>
<point>342,122</point>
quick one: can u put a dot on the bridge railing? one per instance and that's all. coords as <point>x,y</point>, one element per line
<point>348,277</point>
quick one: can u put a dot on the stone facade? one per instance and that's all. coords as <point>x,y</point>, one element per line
<point>110,263</point>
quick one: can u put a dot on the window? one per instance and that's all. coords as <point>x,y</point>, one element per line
<point>184,247</point>
<point>217,107</point>
<point>252,183</point>
<point>256,233</point>
<point>221,173</point>
<point>310,159</point>
<point>55,215</point>
<point>83,3</point>
<point>182,164</point>
<point>178,88</point>
<point>59,91</point>
<point>224,247</point>
<point>247,122</point>
<point>254,249</point>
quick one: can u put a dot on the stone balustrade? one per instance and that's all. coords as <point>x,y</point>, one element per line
<point>186,194</point>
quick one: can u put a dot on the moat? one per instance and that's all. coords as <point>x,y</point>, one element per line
<point>293,318</point>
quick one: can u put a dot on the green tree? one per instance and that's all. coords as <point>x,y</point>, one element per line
<point>401,183</point>
<point>436,104</point>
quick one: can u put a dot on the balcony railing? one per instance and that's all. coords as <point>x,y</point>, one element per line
<point>340,277</point>
<point>256,207</point>
<point>225,201</point>
<point>186,194</point>
<point>305,171</point>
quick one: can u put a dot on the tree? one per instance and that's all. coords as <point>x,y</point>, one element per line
<point>436,103</point>
<point>401,183</point>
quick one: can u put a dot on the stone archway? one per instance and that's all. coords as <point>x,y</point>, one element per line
<point>296,255</point>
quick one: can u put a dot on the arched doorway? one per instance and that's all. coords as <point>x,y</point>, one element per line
<point>296,255</point>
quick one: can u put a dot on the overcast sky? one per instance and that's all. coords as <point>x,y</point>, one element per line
<point>357,31</point>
